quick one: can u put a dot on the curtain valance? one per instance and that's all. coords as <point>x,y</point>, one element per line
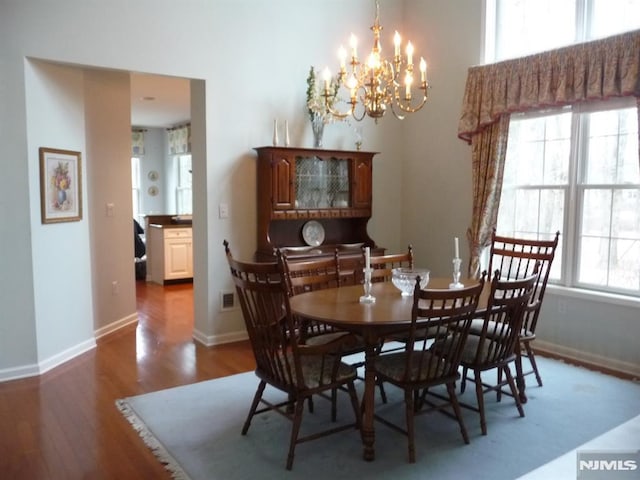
<point>180,140</point>
<point>595,70</point>
<point>137,142</point>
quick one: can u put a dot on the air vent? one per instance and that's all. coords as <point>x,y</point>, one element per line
<point>227,301</point>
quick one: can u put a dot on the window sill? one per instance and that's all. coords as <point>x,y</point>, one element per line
<point>603,297</point>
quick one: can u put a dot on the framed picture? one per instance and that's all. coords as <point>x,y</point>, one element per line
<point>60,185</point>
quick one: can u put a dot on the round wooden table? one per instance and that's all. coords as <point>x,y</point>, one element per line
<point>391,312</point>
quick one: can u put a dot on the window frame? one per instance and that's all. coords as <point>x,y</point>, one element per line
<point>570,246</point>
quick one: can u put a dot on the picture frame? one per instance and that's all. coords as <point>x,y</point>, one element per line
<point>60,185</point>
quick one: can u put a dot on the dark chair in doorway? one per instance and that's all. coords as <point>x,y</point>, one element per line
<point>140,251</point>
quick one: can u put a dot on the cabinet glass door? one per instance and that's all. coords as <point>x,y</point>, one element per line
<point>322,182</point>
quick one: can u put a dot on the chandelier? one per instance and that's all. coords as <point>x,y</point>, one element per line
<point>376,84</point>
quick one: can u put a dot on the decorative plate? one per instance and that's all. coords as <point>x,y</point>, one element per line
<point>313,233</point>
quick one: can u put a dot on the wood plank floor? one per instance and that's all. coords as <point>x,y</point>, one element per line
<point>65,425</point>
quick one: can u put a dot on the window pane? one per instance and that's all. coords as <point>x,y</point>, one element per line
<point>613,147</point>
<point>596,213</point>
<point>518,26</point>
<point>539,149</point>
<point>594,259</point>
<point>614,16</point>
<point>624,273</point>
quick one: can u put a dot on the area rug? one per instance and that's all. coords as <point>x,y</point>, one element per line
<point>195,431</point>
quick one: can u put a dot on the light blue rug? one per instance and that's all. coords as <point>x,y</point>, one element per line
<point>195,430</point>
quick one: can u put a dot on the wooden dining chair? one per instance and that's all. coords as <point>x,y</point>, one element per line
<point>497,342</point>
<point>517,258</point>
<point>282,361</point>
<point>418,368</point>
<point>382,265</point>
<point>310,275</point>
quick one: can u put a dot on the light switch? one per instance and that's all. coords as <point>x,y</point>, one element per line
<point>223,210</point>
<point>110,208</point>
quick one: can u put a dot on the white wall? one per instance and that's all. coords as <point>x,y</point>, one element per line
<point>244,77</point>
<point>154,159</point>
<point>108,130</point>
<point>61,262</point>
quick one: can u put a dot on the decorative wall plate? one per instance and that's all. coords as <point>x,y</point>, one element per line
<point>313,233</point>
<point>153,190</point>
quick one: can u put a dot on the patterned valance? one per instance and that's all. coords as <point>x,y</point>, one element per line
<point>588,71</point>
<point>180,140</point>
<point>137,142</point>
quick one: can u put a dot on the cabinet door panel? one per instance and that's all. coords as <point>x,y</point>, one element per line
<point>361,187</point>
<point>283,173</point>
<point>178,258</point>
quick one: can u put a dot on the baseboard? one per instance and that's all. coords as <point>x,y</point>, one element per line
<point>65,356</point>
<point>33,370</point>
<point>23,371</point>
<point>597,362</point>
<point>211,340</point>
<point>115,326</point>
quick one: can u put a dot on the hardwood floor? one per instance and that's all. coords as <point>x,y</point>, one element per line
<point>65,425</point>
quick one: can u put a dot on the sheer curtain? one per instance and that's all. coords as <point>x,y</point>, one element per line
<point>585,72</point>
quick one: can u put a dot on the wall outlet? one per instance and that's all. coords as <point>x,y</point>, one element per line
<point>223,210</point>
<point>115,288</point>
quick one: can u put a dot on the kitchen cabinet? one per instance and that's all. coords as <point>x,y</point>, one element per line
<point>170,253</point>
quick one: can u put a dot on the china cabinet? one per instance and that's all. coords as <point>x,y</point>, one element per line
<point>312,201</point>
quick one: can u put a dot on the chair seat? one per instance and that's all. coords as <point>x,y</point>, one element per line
<point>317,372</point>
<point>393,366</point>
<point>358,345</point>
<point>421,334</point>
<point>470,349</point>
<point>476,329</point>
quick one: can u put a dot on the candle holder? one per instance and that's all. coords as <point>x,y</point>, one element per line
<point>456,274</point>
<point>367,297</point>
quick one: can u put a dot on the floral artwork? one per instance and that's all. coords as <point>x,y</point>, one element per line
<point>60,183</point>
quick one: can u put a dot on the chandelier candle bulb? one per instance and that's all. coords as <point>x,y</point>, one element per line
<point>397,41</point>
<point>342,55</point>
<point>353,42</point>
<point>423,70</point>
<point>409,54</point>
<point>456,247</point>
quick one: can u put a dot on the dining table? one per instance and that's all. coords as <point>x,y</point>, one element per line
<point>390,313</point>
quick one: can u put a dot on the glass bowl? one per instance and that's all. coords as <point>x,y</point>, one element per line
<point>404,279</point>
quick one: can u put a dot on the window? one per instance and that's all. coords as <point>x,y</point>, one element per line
<point>135,182</point>
<point>575,170</point>
<point>184,197</point>
<point>516,28</point>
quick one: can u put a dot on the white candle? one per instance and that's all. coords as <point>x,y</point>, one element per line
<point>286,133</point>
<point>275,132</point>
<point>367,258</point>
<point>456,247</point>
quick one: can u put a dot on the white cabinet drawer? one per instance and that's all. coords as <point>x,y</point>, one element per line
<point>177,233</point>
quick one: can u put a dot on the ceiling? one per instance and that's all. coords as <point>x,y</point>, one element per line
<point>159,101</point>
